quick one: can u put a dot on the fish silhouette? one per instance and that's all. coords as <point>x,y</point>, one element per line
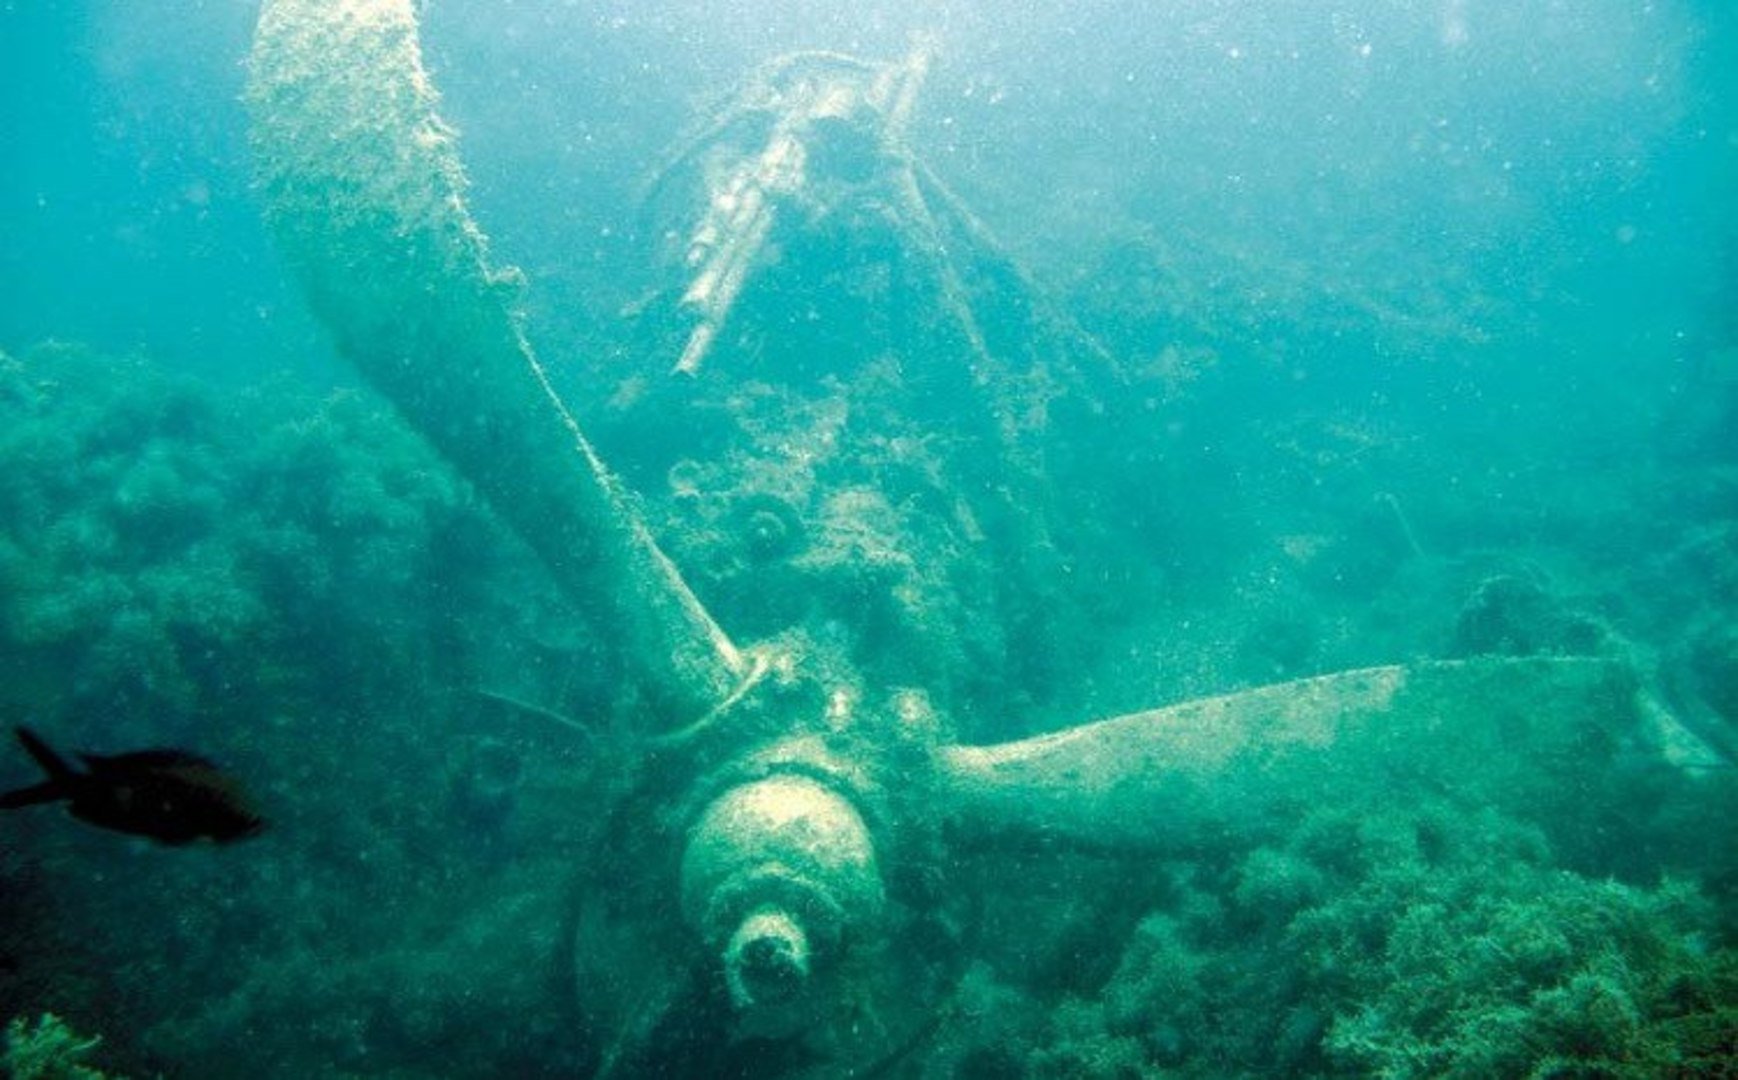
<point>171,796</point>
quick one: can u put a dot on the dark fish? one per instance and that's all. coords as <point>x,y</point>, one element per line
<point>168,795</point>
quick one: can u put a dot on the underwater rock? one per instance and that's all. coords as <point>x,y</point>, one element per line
<point>484,788</point>
<point>1699,677</point>
<point>1714,663</point>
<point>1413,942</point>
<point>1280,646</point>
<point>1515,615</point>
<point>1560,976</point>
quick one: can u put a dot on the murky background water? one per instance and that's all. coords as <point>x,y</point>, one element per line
<point>1418,341</point>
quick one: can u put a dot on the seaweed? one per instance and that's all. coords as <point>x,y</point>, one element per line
<point>49,1049</point>
<point>1397,942</point>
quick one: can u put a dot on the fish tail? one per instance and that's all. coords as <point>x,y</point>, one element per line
<point>47,791</point>
<point>59,772</point>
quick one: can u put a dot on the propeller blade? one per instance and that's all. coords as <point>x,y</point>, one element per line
<point>365,193</point>
<point>1525,735</point>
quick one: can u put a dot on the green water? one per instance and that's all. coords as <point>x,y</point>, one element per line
<point>1296,341</point>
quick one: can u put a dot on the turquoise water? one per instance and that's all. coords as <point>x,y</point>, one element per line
<point>1156,355</point>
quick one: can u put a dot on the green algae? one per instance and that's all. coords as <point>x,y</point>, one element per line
<point>49,1049</point>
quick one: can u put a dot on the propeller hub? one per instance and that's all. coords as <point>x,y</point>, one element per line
<point>778,874</point>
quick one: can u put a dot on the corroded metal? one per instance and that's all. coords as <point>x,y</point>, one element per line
<point>784,830</point>
<point>366,196</point>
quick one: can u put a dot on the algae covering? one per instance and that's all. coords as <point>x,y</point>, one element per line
<point>895,621</point>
